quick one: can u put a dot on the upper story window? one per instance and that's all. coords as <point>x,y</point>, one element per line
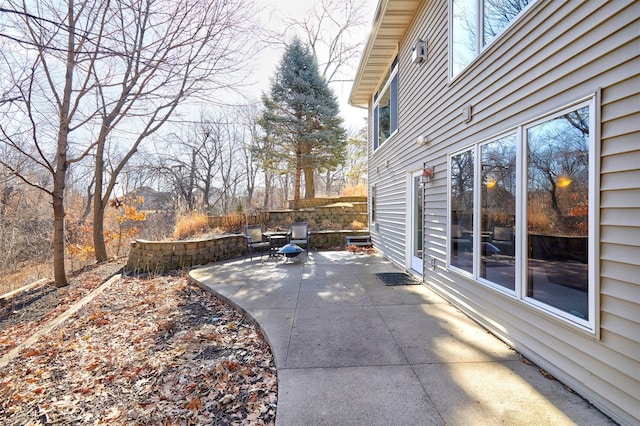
<point>474,23</point>
<point>385,107</point>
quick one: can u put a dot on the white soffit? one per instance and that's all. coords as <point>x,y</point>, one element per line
<point>389,27</point>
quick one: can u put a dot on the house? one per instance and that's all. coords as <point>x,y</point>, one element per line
<point>504,170</point>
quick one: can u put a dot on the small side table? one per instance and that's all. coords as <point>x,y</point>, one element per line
<point>276,242</point>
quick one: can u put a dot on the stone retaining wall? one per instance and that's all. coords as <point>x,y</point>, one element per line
<point>305,203</point>
<point>160,256</point>
<point>339,217</point>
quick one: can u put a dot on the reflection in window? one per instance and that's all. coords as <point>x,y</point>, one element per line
<point>385,120</point>
<point>558,212</point>
<point>498,14</point>
<point>417,217</point>
<point>498,211</point>
<point>373,204</point>
<point>469,18</point>
<point>462,211</point>
<point>463,33</point>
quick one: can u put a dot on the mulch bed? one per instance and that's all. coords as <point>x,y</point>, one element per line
<point>144,351</point>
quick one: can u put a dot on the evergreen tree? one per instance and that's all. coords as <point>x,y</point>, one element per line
<point>301,114</point>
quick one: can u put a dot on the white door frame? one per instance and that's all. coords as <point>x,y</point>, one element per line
<point>414,263</point>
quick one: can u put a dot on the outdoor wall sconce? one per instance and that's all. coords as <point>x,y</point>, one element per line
<point>427,174</point>
<point>422,140</point>
<point>419,51</point>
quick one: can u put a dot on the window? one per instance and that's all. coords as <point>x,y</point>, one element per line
<point>462,211</point>
<point>498,210</point>
<point>373,204</point>
<point>472,18</point>
<point>520,209</point>
<point>385,108</point>
<point>558,212</point>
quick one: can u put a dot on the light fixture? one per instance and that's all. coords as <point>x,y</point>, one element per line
<point>491,182</point>
<point>422,140</point>
<point>419,52</point>
<point>466,113</point>
<point>427,174</point>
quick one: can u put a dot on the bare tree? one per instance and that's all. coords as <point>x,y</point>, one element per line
<point>173,51</point>
<point>250,133</point>
<point>44,100</point>
<point>94,73</point>
<point>329,29</point>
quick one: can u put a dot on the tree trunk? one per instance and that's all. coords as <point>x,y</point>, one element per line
<point>192,180</point>
<point>87,206</point>
<point>60,172</point>
<point>296,182</point>
<point>328,184</point>
<point>267,191</point>
<point>309,183</point>
<point>59,273</point>
<point>99,245</point>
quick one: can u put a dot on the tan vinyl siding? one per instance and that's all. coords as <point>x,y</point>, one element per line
<point>555,54</point>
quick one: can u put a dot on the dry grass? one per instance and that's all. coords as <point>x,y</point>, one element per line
<point>359,190</point>
<point>26,274</point>
<point>233,223</point>
<point>190,225</point>
<point>356,225</point>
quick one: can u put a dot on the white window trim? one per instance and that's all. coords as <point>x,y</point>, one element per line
<point>591,326</point>
<point>480,47</point>
<point>478,218</point>
<point>375,99</point>
<point>474,149</point>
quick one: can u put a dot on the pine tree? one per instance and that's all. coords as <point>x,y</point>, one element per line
<point>302,115</point>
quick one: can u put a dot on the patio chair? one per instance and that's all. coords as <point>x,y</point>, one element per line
<point>255,240</point>
<point>504,239</point>
<point>299,234</point>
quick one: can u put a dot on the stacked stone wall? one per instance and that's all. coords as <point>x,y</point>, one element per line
<point>160,256</point>
<point>330,220</point>
<point>319,218</point>
<point>306,203</point>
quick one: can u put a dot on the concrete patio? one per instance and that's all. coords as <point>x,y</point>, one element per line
<point>351,351</point>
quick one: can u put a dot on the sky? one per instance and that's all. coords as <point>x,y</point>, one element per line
<point>271,10</point>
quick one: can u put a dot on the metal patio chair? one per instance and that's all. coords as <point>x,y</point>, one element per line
<point>255,240</point>
<point>299,234</point>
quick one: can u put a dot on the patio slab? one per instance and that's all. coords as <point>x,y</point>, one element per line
<point>351,351</point>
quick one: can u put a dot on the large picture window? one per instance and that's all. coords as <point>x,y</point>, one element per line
<point>474,23</point>
<point>558,212</point>
<point>520,222</point>
<point>385,108</point>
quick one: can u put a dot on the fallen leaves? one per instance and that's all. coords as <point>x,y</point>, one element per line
<point>32,309</point>
<point>156,351</point>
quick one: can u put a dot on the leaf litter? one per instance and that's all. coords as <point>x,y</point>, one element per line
<point>145,351</point>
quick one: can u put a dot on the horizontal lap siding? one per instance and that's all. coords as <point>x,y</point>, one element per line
<point>556,54</point>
